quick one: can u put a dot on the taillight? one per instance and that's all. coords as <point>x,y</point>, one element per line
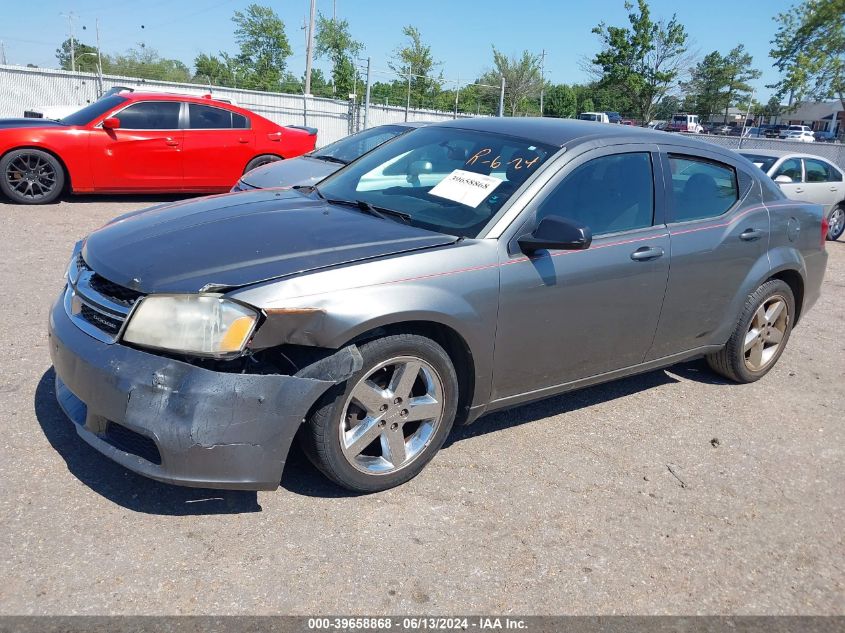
<point>825,227</point>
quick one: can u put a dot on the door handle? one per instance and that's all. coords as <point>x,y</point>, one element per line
<point>646,253</point>
<point>799,189</point>
<point>834,188</point>
<point>749,235</point>
<point>243,140</point>
<point>171,141</point>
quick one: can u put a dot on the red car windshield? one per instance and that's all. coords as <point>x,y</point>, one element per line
<point>92,111</point>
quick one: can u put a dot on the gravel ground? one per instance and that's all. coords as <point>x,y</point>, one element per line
<point>563,506</point>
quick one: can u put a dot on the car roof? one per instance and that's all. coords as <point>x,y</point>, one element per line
<point>413,124</point>
<point>777,153</point>
<point>562,132</point>
<point>172,96</point>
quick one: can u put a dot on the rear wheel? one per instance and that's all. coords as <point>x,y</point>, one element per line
<point>31,176</point>
<point>836,223</point>
<point>383,425</point>
<point>760,335</point>
<point>258,161</point>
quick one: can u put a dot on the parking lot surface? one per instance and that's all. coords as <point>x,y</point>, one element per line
<point>668,493</point>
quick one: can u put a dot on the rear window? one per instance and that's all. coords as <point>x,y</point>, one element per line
<point>203,117</point>
<point>701,188</point>
<point>763,162</point>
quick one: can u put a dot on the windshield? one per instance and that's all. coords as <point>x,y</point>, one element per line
<point>587,117</point>
<point>679,118</point>
<point>445,179</point>
<point>763,162</point>
<point>92,111</point>
<point>352,147</point>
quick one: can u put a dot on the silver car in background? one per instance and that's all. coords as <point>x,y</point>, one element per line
<point>808,178</point>
<point>311,168</point>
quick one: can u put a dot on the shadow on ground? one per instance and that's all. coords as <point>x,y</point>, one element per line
<point>300,477</point>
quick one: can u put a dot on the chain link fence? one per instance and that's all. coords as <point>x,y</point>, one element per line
<point>834,152</point>
<point>24,89</point>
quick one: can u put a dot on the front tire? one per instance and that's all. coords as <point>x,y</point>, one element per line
<point>836,222</point>
<point>760,335</point>
<point>383,425</point>
<point>260,161</point>
<point>31,176</point>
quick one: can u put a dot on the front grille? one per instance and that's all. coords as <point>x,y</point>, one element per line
<point>118,294</point>
<point>129,441</point>
<point>102,321</point>
<point>97,305</point>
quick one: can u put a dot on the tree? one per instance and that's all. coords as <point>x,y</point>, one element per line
<point>146,63</point>
<point>666,108</point>
<point>643,60</point>
<point>334,41</point>
<point>705,88</point>
<point>522,78</point>
<point>561,101</point>
<point>809,50</point>
<point>415,59</point>
<point>264,48</point>
<point>738,72</point>
<point>211,69</point>
<point>86,56</point>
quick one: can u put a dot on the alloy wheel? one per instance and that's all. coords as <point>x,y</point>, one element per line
<point>391,415</point>
<point>766,333</point>
<point>836,223</point>
<point>31,176</point>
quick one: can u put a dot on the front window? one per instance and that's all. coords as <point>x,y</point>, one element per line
<point>790,168</point>
<point>150,115</point>
<point>348,149</point>
<point>444,179</point>
<point>93,111</point>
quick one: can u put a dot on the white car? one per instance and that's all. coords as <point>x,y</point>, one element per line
<point>600,117</point>
<point>800,133</point>
<point>807,178</point>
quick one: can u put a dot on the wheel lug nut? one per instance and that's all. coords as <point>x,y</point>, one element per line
<point>383,407</point>
<point>403,412</point>
<point>394,426</point>
<point>382,423</point>
<point>397,400</point>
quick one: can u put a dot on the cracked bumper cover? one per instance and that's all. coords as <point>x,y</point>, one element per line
<point>212,429</point>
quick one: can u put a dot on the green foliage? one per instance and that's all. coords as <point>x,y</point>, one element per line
<point>218,71</point>
<point>416,59</point>
<point>738,72</point>
<point>719,81</point>
<point>146,63</point>
<point>522,80</point>
<point>334,42</point>
<point>643,60</point>
<point>86,56</point>
<point>809,50</point>
<point>264,48</point>
<point>668,106</point>
<point>561,101</point>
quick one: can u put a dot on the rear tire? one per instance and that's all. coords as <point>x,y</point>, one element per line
<point>259,161</point>
<point>760,335</point>
<point>836,222</point>
<point>31,176</point>
<point>383,425</point>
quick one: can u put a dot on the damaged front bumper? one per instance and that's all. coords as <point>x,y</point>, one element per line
<point>182,424</point>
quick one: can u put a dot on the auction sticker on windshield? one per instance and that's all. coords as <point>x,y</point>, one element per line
<point>465,187</point>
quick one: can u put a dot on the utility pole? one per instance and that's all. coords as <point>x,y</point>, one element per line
<point>99,55</point>
<point>309,50</point>
<point>367,97</point>
<point>70,16</point>
<point>2,52</point>
<point>457,94</point>
<point>408,102</point>
<point>542,79</point>
<point>502,98</point>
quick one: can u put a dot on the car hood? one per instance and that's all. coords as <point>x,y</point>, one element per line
<point>303,170</point>
<point>234,240</point>
<point>6,124</point>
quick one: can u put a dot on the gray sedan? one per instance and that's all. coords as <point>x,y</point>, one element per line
<point>808,178</point>
<point>460,269</point>
<point>311,168</point>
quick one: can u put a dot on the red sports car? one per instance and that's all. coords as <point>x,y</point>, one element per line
<point>132,143</point>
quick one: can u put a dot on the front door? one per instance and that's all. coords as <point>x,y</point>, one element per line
<point>144,153</point>
<point>823,183</point>
<point>568,315</point>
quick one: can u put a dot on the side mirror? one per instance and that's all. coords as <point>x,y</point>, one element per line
<point>555,232</point>
<point>419,167</point>
<point>783,179</point>
<point>111,123</point>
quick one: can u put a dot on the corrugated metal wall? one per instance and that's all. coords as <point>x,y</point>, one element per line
<point>23,88</point>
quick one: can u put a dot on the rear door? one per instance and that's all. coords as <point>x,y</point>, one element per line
<point>719,230</point>
<point>144,153</point>
<point>218,144</point>
<point>823,183</point>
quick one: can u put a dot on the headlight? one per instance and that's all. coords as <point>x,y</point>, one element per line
<point>206,325</point>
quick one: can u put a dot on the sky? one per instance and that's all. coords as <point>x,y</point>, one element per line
<point>460,33</point>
